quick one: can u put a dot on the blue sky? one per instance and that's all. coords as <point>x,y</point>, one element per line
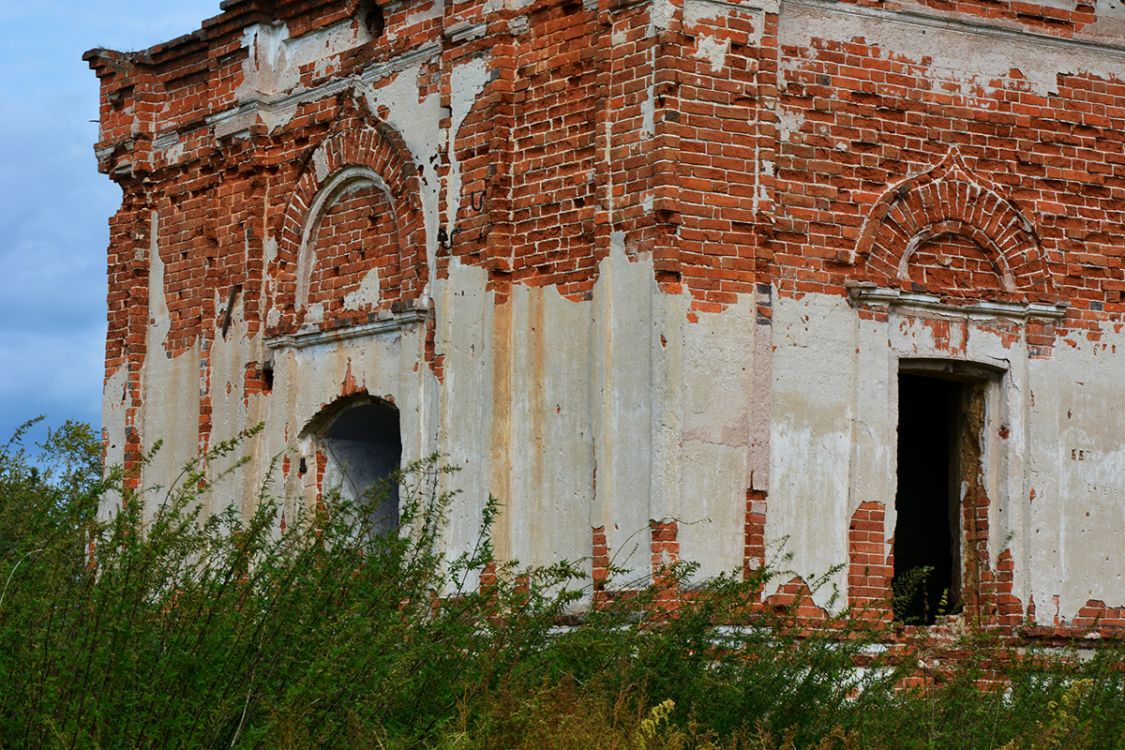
<point>56,205</point>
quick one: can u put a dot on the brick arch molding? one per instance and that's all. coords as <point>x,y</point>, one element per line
<point>360,150</point>
<point>949,199</point>
<point>323,419</point>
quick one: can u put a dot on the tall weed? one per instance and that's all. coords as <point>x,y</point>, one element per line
<point>161,626</point>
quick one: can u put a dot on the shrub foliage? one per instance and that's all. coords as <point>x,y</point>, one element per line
<point>162,626</point>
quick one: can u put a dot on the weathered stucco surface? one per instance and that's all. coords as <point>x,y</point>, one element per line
<point>657,269</point>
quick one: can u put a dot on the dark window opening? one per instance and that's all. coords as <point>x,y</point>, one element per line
<point>267,376</point>
<point>375,20</point>
<point>364,449</point>
<point>927,539</point>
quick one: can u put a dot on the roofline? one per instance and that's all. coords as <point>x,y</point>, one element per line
<point>234,16</point>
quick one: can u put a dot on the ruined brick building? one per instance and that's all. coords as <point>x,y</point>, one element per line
<point>703,279</point>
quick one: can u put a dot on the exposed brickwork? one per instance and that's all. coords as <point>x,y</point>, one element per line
<point>351,178</point>
<point>707,163</point>
<point>996,588</point>
<point>1061,21</point>
<point>870,567</point>
<point>599,557</point>
<point>1053,152</point>
<point>995,247</point>
<point>665,557</point>
<point>954,266</point>
<point>754,555</point>
<point>796,598</point>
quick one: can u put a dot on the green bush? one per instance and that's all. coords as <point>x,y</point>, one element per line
<point>159,627</point>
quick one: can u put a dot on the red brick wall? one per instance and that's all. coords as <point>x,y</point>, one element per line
<point>870,120</point>
<point>355,236</point>
<point>954,266</point>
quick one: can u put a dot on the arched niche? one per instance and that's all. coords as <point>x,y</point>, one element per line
<point>947,231</point>
<point>953,258</point>
<point>351,242</point>
<point>360,439</point>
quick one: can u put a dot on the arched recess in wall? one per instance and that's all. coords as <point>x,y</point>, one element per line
<point>947,231</point>
<point>359,438</point>
<point>352,239</point>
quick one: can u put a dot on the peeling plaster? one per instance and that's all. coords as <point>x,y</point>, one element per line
<point>172,417</point>
<point>320,165</point>
<point>466,339</point>
<point>713,50</point>
<point>834,397</point>
<point>491,6</point>
<point>811,426</point>
<point>616,410</point>
<point>366,295</point>
<point>308,379</point>
<point>467,82</point>
<point>1110,23</point>
<point>974,57</point>
<point>416,118</point>
<point>274,64</point>
<point>789,121</point>
<point>231,410</point>
<point>1076,454</point>
<point>159,322</point>
<point>701,11</point>
<point>169,147</point>
<point>661,14</point>
<point>648,114</point>
<point>115,403</point>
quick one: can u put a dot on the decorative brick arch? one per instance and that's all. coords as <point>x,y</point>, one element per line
<point>949,199</point>
<point>360,150</point>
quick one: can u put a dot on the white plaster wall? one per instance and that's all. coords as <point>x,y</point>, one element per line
<point>417,119</point>
<point>232,411</point>
<point>576,397</point>
<point>275,60</point>
<point>835,394</point>
<point>619,410</point>
<point>171,389</point>
<point>717,375</point>
<point>1077,469</point>
<point>306,380</point>
<point>875,428</point>
<point>466,82</point>
<point>621,378</point>
<point>115,402</point>
<point>976,340</point>
<point>465,339</point>
<point>809,505</point>
<point>551,449</point>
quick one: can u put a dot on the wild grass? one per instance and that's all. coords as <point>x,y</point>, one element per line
<point>157,627</point>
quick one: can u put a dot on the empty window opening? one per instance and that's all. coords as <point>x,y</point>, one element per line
<point>375,20</point>
<point>364,449</point>
<point>932,432</point>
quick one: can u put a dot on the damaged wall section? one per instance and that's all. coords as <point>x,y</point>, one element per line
<point>651,273</point>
